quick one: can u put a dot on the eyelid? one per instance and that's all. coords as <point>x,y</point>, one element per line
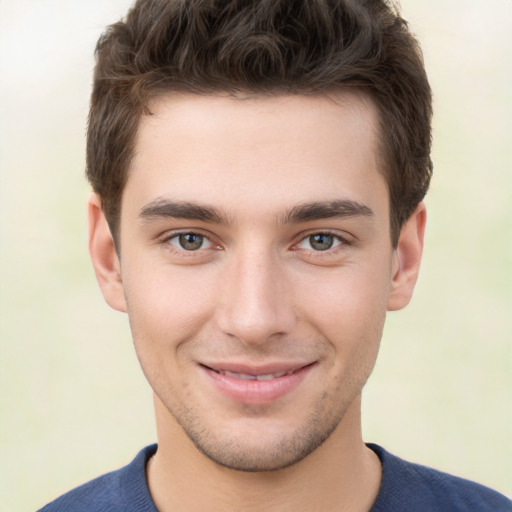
<point>344,239</point>
<point>204,241</point>
<point>169,235</point>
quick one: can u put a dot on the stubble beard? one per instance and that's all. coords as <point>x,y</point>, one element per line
<point>258,453</point>
<point>259,449</point>
<point>279,455</point>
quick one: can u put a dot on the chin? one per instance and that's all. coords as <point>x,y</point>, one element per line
<point>261,449</point>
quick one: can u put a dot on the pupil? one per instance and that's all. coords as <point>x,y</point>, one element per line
<point>321,242</point>
<point>191,242</point>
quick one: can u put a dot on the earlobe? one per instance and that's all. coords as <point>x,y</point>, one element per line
<point>103,254</point>
<point>407,259</point>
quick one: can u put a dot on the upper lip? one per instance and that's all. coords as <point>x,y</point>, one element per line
<point>252,369</point>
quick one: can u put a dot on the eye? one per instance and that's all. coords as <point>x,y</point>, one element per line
<point>190,241</point>
<point>320,242</point>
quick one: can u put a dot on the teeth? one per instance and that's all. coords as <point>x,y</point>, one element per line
<point>246,376</point>
<point>268,376</point>
<point>243,376</point>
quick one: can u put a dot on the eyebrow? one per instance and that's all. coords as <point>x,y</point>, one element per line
<point>327,210</point>
<point>165,208</point>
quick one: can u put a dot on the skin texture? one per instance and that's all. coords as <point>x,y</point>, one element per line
<point>219,269</point>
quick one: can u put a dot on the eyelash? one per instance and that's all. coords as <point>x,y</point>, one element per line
<point>342,243</point>
<point>167,241</point>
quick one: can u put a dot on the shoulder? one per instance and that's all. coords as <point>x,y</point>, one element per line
<point>406,486</point>
<point>115,491</point>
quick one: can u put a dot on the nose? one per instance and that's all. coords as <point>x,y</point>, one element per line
<point>256,304</point>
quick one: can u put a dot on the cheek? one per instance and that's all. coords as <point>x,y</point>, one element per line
<point>166,307</point>
<point>349,312</point>
<point>347,296</point>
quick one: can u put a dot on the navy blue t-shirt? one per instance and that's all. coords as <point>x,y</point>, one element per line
<point>405,487</point>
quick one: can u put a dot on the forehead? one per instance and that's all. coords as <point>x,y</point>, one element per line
<point>267,152</point>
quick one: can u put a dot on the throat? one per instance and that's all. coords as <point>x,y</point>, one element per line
<point>303,487</point>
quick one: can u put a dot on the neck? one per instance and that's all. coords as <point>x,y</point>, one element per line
<point>342,474</point>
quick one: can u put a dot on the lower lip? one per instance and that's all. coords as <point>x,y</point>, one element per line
<point>257,391</point>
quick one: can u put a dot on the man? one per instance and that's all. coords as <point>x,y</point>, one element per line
<point>258,170</point>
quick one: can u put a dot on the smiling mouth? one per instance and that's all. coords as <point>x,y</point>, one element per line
<point>248,376</point>
<point>255,385</point>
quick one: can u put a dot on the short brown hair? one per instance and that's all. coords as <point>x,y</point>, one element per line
<point>308,47</point>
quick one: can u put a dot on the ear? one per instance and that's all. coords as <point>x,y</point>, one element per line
<point>407,258</point>
<point>103,254</point>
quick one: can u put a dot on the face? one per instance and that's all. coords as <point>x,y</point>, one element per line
<point>256,268</point>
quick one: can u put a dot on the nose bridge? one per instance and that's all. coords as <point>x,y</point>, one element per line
<point>255,303</point>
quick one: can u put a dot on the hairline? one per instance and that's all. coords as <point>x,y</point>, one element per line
<point>337,94</point>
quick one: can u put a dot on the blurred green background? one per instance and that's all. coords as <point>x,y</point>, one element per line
<point>74,403</point>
